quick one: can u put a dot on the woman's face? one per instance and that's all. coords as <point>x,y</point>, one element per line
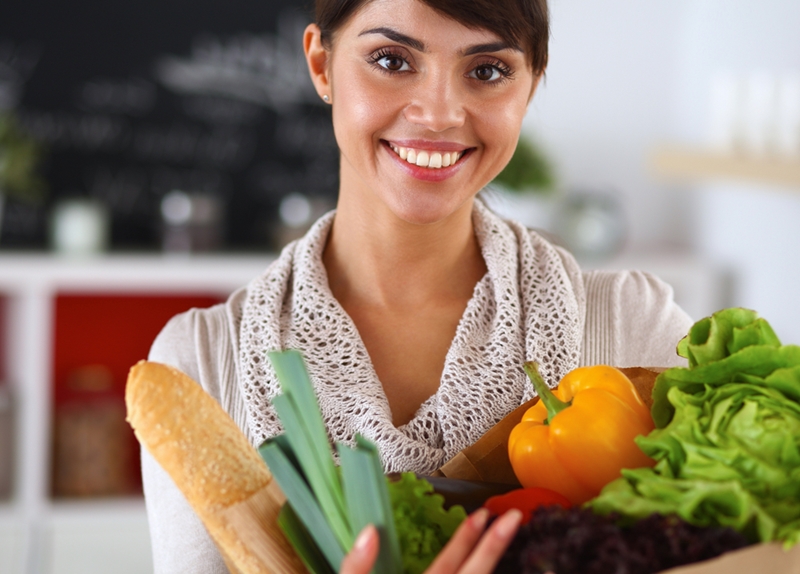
<point>425,110</point>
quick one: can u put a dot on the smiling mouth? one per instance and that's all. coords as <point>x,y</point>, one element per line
<point>427,158</point>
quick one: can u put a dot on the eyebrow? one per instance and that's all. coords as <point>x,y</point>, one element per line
<point>490,47</point>
<point>401,38</point>
<point>396,36</point>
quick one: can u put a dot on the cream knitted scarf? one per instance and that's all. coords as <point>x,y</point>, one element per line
<point>530,305</point>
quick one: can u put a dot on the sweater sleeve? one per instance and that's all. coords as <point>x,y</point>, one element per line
<point>631,320</point>
<point>179,540</point>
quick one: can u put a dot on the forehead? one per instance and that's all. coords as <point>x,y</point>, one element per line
<point>415,19</point>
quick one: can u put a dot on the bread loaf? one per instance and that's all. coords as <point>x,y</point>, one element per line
<point>213,464</point>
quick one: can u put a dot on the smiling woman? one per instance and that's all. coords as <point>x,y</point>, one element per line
<point>427,109</point>
<point>414,305</point>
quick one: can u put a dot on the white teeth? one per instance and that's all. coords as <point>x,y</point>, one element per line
<point>422,158</point>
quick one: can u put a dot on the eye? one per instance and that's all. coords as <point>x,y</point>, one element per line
<point>390,61</point>
<point>394,63</point>
<point>492,72</point>
<point>486,73</point>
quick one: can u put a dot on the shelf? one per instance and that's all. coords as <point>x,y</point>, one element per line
<point>686,164</point>
<point>129,272</point>
<point>50,306</point>
<point>131,507</point>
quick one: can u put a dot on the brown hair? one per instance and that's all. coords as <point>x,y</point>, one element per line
<point>523,23</point>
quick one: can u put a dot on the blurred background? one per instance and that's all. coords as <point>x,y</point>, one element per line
<point>154,156</point>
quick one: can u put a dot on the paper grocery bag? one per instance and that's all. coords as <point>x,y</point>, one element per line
<point>760,558</point>
<point>487,460</point>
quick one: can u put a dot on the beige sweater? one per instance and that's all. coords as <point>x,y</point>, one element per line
<point>621,318</point>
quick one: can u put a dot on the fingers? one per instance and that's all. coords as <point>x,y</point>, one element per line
<point>467,552</point>
<point>493,544</point>
<point>363,554</point>
<point>461,544</point>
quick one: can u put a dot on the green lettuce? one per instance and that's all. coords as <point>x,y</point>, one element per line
<point>727,442</point>
<point>423,525</point>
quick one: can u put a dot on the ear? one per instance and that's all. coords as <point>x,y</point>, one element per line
<point>317,59</point>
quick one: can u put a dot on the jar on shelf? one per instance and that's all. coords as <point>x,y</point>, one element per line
<point>92,449</point>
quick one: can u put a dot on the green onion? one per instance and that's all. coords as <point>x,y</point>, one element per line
<point>299,412</point>
<point>367,497</point>
<point>300,538</point>
<point>325,511</point>
<point>303,502</point>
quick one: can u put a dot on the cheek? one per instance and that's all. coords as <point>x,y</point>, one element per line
<point>499,125</point>
<point>361,108</point>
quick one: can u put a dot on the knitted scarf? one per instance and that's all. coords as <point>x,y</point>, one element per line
<point>530,305</point>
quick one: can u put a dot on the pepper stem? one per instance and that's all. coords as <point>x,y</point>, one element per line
<point>552,403</point>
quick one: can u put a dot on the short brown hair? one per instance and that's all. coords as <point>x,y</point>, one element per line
<point>523,23</point>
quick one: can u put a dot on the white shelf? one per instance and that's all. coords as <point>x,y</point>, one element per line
<point>139,273</point>
<point>686,164</point>
<point>38,535</point>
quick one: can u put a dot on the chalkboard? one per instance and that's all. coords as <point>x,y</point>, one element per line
<point>139,98</point>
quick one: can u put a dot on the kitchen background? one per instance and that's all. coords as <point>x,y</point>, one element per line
<point>182,145</point>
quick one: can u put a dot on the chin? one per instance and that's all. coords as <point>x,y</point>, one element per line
<point>418,209</point>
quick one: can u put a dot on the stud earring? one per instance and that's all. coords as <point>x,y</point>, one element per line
<point>326,98</point>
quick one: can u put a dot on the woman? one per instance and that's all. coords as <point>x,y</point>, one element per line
<point>414,305</point>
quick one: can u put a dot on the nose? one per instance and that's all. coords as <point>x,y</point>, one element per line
<point>437,103</point>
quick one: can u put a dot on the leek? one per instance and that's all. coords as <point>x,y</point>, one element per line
<point>367,497</point>
<point>300,538</point>
<point>331,509</point>
<point>303,503</point>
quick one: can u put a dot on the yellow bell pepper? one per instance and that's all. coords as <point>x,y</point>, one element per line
<point>576,439</point>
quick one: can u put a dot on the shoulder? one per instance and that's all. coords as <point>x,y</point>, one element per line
<point>200,342</point>
<point>632,319</point>
<point>636,293</point>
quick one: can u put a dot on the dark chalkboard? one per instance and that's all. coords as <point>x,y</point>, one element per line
<point>135,99</point>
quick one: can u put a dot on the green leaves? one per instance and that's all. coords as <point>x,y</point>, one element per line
<point>302,541</point>
<point>528,169</point>
<point>327,510</point>
<point>723,334</point>
<point>727,444</point>
<point>367,499</point>
<point>727,347</point>
<point>305,504</point>
<point>423,525</point>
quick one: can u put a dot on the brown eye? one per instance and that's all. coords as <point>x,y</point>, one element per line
<point>485,73</point>
<point>393,63</point>
<point>390,62</point>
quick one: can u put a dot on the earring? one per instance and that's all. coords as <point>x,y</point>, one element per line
<point>326,98</point>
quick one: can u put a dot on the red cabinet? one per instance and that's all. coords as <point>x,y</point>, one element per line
<point>96,339</point>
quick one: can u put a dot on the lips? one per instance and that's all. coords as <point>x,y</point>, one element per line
<point>429,158</point>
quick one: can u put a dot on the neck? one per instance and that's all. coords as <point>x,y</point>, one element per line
<point>376,258</point>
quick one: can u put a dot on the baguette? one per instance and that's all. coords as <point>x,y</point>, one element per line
<point>213,464</point>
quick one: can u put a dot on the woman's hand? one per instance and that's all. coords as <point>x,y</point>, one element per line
<point>467,552</point>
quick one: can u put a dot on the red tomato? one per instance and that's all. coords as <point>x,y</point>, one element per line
<point>526,500</point>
